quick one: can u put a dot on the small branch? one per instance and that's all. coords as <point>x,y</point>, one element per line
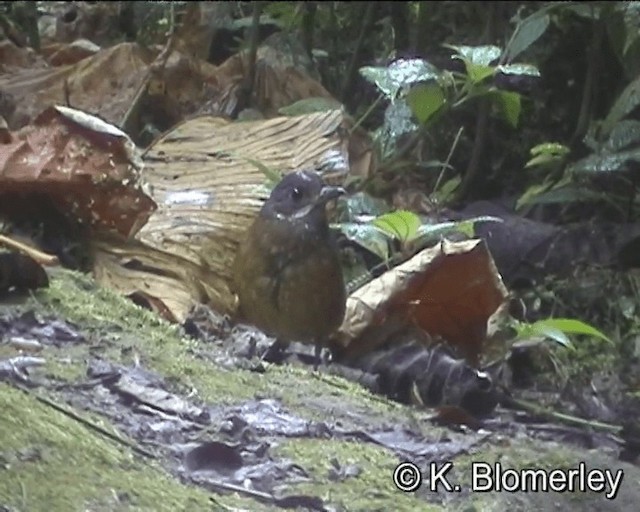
<point>307,26</point>
<point>352,69</point>
<point>482,121</point>
<point>40,257</point>
<point>589,84</point>
<point>562,417</point>
<point>400,22</point>
<point>445,164</point>
<point>93,426</point>
<point>367,113</point>
<point>246,89</point>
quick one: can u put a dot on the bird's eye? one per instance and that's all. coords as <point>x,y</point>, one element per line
<point>296,193</point>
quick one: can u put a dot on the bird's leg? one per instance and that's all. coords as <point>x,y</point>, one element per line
<point>318,356</point>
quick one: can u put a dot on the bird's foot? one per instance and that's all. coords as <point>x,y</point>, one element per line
<point>321,356</point>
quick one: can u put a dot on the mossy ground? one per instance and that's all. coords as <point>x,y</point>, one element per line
<point>50,461</point>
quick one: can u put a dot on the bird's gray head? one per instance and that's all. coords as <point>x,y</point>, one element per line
<point>300,195</point>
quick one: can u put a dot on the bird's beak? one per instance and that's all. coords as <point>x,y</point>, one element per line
<point>328,193</point>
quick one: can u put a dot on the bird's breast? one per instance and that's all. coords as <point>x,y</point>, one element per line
<point>289,281</point>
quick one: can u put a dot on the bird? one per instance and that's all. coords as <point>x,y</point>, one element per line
<point>287,273</point>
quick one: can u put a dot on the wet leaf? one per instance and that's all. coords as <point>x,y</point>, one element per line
<point>557,329</point>
<point>562,192</point>
<point>510,106</point>
<point>398,120</point>
<point>606,162</point>
<point>547,154</point>
<point>527,32</point>
<point>477,55</point>
<point>361,204</point>
<point>401,73</point>
<point>446,190</point>
<point>573,326</point>
<point>402,224</point>
<point>519,69</point>
<point>540,330</point>
<point>431,232</point>
<point>628,100</point>
<point>368,236</point>
<point>623,134</point>
<point>425,100</point>
<point>478,73</point>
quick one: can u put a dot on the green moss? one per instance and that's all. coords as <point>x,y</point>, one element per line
<point>122,332</point>
<point>372,489</point>
<point>51,462</point>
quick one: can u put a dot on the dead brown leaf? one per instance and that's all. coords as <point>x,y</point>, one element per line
<point>449,290</point>
<point>84,165</point>
<point>104,84</point>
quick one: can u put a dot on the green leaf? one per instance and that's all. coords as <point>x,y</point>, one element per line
<point>623,134</point>
<point>510,106</point>
<point>433,232</point>
<point>540,161</point>
<point>398,119</point>
<point>529,195</point>
<point>361,204</point>
<point>367,236</point>
<point>546,154</point>
<point>425,100</point>
<point>402,224</point>
<point>541,329</point>
<point>573,326</point>
<point>631,59</point>
<point>446,190</point>
<point>527,32</point>
<point>554,149</point>
<point>399,74</point>
<point>561,193</point>
<point>615,162</point>
<point>628,100</point>
<point>477,55</point>
<point>557,330</point>
<point>477,72</point>
<point>477,60</point>
<point>631,17</point>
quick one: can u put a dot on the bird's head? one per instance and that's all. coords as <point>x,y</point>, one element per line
<point>300,195</point>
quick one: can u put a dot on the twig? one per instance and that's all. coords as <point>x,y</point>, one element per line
<point>350,75</point>
<point>246,90</point>
<point>564,418</point>
<point>446,162</point>
<point>97,428</point>
<point>589,83</point>
<point>366,114</point>
<point>482,120</point>
<point>307,25</point>
<point>40,257</point>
